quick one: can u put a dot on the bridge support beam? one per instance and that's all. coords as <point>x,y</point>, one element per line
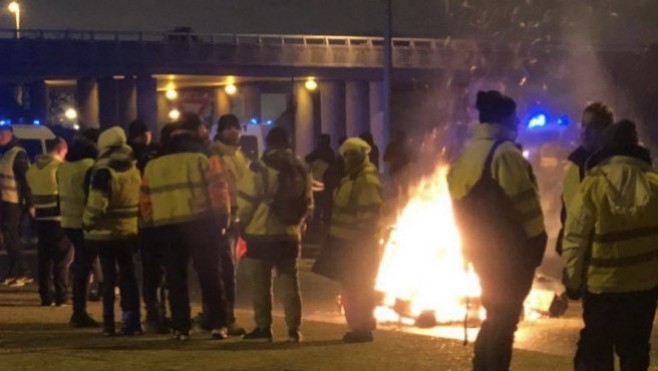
<point>251,102</point>
<point>127,100</point>
<point>304,128</point>
<point>380,131</point>
<point>39,100</point>
<point>108,102</point>
<point>222,104</point>
<point>357,112</point>
<point>87,100</point>
<point>332,110</point>
<point>147,102</point>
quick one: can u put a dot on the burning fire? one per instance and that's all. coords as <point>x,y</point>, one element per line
<point>422,265</point>
<point>423,271</point>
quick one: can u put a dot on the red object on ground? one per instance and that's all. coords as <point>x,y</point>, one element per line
<point>240,248</point>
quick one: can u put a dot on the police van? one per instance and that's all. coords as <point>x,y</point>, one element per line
<point>33,138</point>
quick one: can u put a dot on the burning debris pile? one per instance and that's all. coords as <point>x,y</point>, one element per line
<point>423,277</point>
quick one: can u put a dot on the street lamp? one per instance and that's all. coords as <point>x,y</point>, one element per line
<point>15,8</point>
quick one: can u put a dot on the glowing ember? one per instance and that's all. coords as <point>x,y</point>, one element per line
<point>422,269</point>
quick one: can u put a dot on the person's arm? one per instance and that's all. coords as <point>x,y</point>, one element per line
<point>250,194</point>
<point>515,176</point>
<point>217,185</point>
<point>577,239</point>
<point>98,199</point>
<point>21,165</point>
<point>145,203</point>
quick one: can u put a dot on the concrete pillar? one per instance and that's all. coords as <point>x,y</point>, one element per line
<point>147,102</point>
<point>39,100</point>
<point>380,131</point>
<point>304,131</point>
<point>357,111</point>
<point>222,104</point>
<point>108,102</point>
<point>250,102</point>
<point>127,100</point>
<point>87,100</point>
<point>332,110</point>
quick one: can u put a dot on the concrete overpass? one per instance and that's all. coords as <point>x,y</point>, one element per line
<point>117,73</point>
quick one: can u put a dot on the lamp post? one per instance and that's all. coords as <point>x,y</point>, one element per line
<point>15,8</point>
<point>388,62</point>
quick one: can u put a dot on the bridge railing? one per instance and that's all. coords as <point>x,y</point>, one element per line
<point>230,39</point>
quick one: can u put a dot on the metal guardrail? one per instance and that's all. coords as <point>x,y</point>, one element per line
<point>223,39</point>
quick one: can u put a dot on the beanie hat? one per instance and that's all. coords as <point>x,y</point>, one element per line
<point>494,107</point>
<point>278,137</point>
<point>111,138</point>
<point>227,122</point>
<point>137,128</point>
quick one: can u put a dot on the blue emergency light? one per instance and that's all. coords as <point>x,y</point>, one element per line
<point>537,121</point>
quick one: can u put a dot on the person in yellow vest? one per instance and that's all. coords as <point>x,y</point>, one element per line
<point>110,226</point>
<point>352,255</point>
<point>236,165</point>
<point>16,201</point>
<point>154,288</point>
<point>611,255</point>
<point>274,200</point>
<point>596,119</point>
<point>53,248</point>
<point>499,216</point>
<point>72,180</point>
<point>185,197</point>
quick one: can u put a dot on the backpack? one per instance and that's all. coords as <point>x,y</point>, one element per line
<point>290,202</point>
<point>489,225</point>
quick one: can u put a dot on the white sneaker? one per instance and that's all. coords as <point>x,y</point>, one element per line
<point>219,333</point>
<point>18,282</point>
<point>7,281</point>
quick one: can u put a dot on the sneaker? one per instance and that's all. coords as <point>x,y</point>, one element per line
<point>358,337</point>
<point>219,333</point>
<point>18,282</point>
<point>28,280</point>
<point>7,281</point>
<point>46,303</point>
<point>200,322</point>
<point>235,330</point>
<point>132,331</point>
<point>295,336</point>
<point>180,335</point>
<point>259,335</point>
<point>83,321</point>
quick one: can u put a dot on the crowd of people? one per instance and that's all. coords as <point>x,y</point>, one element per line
<point>186,199</point>
<point>189,199</point>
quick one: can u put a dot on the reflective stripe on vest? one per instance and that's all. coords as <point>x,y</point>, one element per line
<point>177,188</point>
<point>8,186</point>
<point>43,184</point>
<point>119,221</point>
<point>72,192</point>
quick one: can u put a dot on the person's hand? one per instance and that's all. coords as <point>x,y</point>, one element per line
<point>574,294</point>
<point>33,212</point>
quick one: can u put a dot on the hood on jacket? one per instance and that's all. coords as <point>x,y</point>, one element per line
<point>42,161</point>
<point>278,158</point>
<point>112,139</point>
<point>626,183</point>
<point>224,149</point>
<point>183,142</point>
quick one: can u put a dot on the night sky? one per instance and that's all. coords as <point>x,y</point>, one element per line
<point>612,21</point>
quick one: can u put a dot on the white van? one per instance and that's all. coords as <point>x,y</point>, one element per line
<point>33,138</point>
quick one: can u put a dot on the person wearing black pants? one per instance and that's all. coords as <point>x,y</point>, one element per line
<point>82,267</point>
<point>54,251</point>
<point>118,270</point>
<point>153,280</point>
<point>196,241</point>
<point>10,218</point>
